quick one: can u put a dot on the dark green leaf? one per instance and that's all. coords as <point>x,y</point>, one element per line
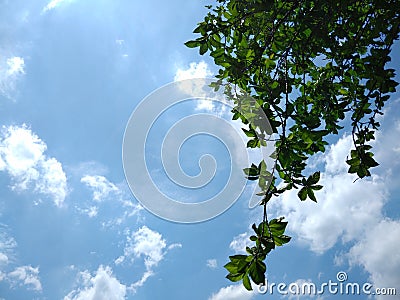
<point>192,44</point>
<point>246,282</point>
<point>302,194</point>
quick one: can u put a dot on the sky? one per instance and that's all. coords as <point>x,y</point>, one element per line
<point>71,74</point>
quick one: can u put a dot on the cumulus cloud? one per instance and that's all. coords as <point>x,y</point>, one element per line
<point>233,292</point>
<point>378,253</point>
<point>11,70</point>
<point>15,66</point>
<point>345,209</point>
<point>195,71</point>
<point>26,276</point>
<point>146,244</point>
<point>240,242</point>
<point>100,186</point>
<point>21,276</point>
<point>352,214</point>
<point>22,155</point>
<point>3,259</point>
<point>101,286</point>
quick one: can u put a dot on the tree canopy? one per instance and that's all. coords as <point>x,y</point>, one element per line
<point>314,67</point>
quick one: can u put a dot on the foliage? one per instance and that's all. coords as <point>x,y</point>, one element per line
<point>314,67</point>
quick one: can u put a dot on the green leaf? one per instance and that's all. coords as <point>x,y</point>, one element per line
<point>311,195</point>
<point>316,187</point>
<point>257,271</point>
<point>238,258</point>
<point>302,194</point>
<point>249,133</point>
<point>234,277</point>
<point>246,282</point>
<point>277,227</point>
<point>253,143</point>
<point>232,267</point>
<point>269,244</point>
<point>313,179</point>
<point>281,240</point>
<point>203,48</point>
<point>192,44</point>
<point>263,168</point>
<point>309,74</point>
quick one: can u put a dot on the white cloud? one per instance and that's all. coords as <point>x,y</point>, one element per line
<point>7,246</point>
<point>134,286</point>
<point>53,180</point>
<point>11,70</point>
<point>130,209</point>
<point>55,3</point>
<point>100,186</point>
<point>103,190</point>
<point>195,71</point>
<point>3,259</point>
<point>22,156</point>
<point>26,275</point>
<point>15,66</point>
<point>240,242</point>
<point>102,286</point>
<point>233,292</point>
<point>352,213</point>
<point>212,263</point>
<point>336,157</point>
<point>378,253</point>
<point>345,209</point>
<point>119,260</point>
<point>149,245</point>
<point>173,246</point>
<point>91,212</point>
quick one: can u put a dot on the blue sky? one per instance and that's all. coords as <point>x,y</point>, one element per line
<point>71,74</point>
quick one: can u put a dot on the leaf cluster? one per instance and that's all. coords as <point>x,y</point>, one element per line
<point>313,67</point>
<point>267,235</point>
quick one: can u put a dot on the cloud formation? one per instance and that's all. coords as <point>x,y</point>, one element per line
<point>233,292</point>
<point>11,70</point>
<point>149,245</point>
<point>100,186</point>
<point>104,193</point>
<point>22,155</point>
<point>20,276</point>
<point>377,252</point>
<point>101,286</point>
<point>7,246</point>
<point>240,242</point>
<point>196,70</point>
<point>25,276</point>
<point>352,213</point>
<point>54,3</point>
